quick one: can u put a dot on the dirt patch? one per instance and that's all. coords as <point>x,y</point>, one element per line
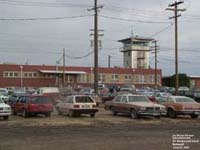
<point>104,132</point>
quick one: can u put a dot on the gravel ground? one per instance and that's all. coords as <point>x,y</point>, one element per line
<point>104,132</point>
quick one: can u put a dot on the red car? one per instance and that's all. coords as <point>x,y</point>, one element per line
<point>33,105</point>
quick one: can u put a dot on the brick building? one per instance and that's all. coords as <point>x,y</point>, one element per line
<point>38,76</point>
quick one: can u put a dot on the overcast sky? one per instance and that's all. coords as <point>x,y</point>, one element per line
<point>41,36</point>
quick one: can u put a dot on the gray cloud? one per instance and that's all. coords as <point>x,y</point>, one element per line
<point>42,41</point>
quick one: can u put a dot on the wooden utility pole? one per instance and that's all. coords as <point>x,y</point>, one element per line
<point>175,17</point>
<point>63,67</point>
<point>96,81</point>
<point>156,61</point>
<point>109,57</point>
<point>96,8</point>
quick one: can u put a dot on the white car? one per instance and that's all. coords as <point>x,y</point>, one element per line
<point>5,110</point>
<point>4,98</point>
<point>77,104</point>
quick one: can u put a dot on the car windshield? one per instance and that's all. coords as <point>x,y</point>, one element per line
<point>1,101</point>
<point>147,93</point>
<point>40,100</point>
<point>83,99</point>
<point>2,91</point>
<point>184,100</point>
<point>165,94</point>
<point>138,99</point>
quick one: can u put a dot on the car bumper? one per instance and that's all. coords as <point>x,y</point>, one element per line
<point>5,113</point>
<point>85,111</point>
<point>188,112</point>
<point>145,113</point>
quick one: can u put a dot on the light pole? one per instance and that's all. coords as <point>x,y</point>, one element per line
<point>21,72</point>
<point>133,70</point>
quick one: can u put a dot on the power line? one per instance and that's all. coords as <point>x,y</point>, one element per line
<point>35,19</point>
<point>123,19</point>
<point>41,4</point>
<point>171,24</point>
<point>80,57</point>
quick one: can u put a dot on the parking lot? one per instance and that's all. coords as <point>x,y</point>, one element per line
<point>102,132</point>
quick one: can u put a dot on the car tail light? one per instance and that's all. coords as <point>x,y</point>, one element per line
<point>76,106</point>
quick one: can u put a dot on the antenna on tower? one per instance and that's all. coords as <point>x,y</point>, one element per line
<point>132,31</point>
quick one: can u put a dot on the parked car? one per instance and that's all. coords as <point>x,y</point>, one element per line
<point>33,105</point>
<point>3,91</point>
<point>52,92</point>
<point>128,88</point>
<point>180,105</point>
<point>87,91</point>
<point>14,97</point>
<point>77,104</point>
<point>5,110</point>
<point>135,106</point>
<point>4,98</point>
<point>159,95</point>
<point>150,95</point>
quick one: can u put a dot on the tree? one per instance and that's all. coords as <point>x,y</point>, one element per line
<point>184,80</point>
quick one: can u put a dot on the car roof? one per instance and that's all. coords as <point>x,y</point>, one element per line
<point>81,95</point>
<point>129,94</point>
<point>178,96</point>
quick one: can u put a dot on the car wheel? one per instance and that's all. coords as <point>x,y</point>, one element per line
<point>114,113</point>
<point>171,113</point>
<point>71,113</point>
<point>134,114</point>
<point>14,112</point>
<point>48,114</point>
<point>158,117</point>
<point>194,116</point>
<point>92,115</point>
<point>25,113</point>
<point>5,117</point>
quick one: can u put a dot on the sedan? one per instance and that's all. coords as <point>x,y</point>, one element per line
<point>77,104</point>
<point>181,105</point>
<point>5,110</point>
<point>135,106</point>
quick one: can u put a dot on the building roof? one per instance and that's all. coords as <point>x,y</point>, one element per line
<point>75,69</point>
<point>136,38</point>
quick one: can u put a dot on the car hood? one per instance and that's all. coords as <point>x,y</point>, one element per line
<point>146,104</point>
<point>4,105</point>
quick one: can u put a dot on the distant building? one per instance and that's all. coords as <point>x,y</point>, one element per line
<point>136,52</point>
<point>40,76</point>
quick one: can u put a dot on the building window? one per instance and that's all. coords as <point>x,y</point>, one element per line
<point>127,77</point>
<point>115,77</point>
<point>34,74</point>
<point>30,75</point>
<point>25,74</point>
<point>5,74</point>
<point>16,74</point>
<point>141,79</point>
<point>152,78</point>
<point>158,79</point>
<point>11,74</point>
<point>81,78</point>
<point>102,78</point>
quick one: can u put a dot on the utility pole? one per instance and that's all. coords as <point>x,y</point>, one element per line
<point>156,62</point>
<point>109,57</point>
<point>63,67</point>
<point>96,7</point>
<point>175,17</point>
